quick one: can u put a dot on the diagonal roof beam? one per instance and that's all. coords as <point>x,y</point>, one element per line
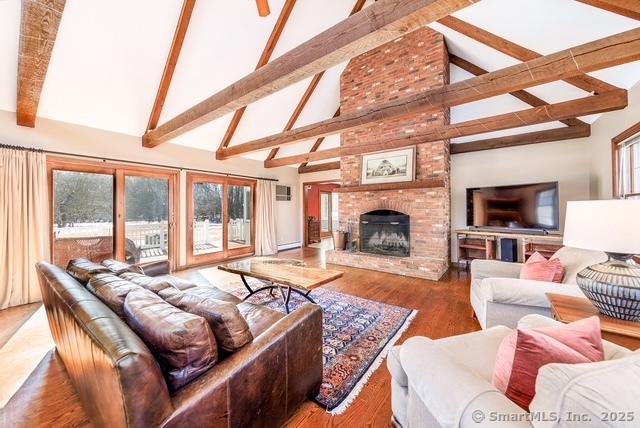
<point>382,22</point>
<point>38,31</point>
<point>628,8</point>
<point>582,81</point>
<point>608,101</point>
<point>603,53</point>
<point>310,89</point>
<point>298,110</point>
<point>264,59</point>
<point>316,145</point>
<point>172,61</point>
<point>522,95</point>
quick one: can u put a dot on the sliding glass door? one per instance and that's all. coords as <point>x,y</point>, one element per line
<point>82,216</point>
<point>146,227</point>
<point>240,202</point>
<point>220,212</point>
<point>102,211</point>
<point>207,217</point>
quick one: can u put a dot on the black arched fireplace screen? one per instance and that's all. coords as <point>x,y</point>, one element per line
<point>385,232</point>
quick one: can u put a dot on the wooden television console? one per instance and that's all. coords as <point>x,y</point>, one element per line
<point>483,244</point>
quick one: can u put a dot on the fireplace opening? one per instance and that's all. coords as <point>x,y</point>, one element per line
<point>385,232</point>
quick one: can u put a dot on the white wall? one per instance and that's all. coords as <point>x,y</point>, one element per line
<point>582,167</point>
<point>69,138</point>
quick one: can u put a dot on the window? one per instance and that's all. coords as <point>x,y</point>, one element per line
<point>325,212</point>
<point>628,168</point>
<point>220,213</point>
<point>102,211</point>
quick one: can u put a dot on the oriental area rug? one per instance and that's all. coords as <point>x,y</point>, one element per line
<point>357,334</point>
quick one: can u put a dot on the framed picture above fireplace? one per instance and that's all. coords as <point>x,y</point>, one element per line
<point>389,167</point>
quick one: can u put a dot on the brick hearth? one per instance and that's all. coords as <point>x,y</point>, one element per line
<point>412,63</point>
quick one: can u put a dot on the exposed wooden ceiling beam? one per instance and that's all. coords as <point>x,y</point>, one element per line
<point>329,166</point>
<point>582,81</point>
<point>310,89</point>
<point>603,53</point>
<point>628,8</point>
<point>522,95</point>
<point>318,143</point>
<point>382,22</point>
<point>558,134</point>
<point>38,31</point>
<point>265,56</point>
<point>172,61</point>
<point>298,110</point>
<point>614,100</point>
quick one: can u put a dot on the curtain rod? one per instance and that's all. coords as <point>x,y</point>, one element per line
<point>104,159</point>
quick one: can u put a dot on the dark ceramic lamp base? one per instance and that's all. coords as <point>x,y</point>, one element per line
<point>613,286</point>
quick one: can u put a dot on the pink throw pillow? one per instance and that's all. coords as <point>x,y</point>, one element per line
<point>538,268</point>
<point>523,352</point>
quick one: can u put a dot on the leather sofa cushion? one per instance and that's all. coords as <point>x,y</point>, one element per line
<point>83,269</point>
<point>162,267</point>
<point>118,267</point>
<point>182,342</point>
<point>214,293</point>
<point>152,284</point>
<point>179,283</point>
<point>258,317</point>
<point>112,290</point>
<point>229,327</point>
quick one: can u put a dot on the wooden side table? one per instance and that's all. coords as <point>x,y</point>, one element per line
<point>567,309</point>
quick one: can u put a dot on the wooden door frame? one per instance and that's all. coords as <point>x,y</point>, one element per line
<point>226,253</point>
<point>119,171</point>
<point>305,212</point>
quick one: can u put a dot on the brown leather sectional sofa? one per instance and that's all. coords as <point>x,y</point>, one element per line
<point>121,384</point>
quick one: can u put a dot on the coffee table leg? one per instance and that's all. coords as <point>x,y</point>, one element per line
<point>305,295</point>
<point>244,281</point>
<point>286,303</point>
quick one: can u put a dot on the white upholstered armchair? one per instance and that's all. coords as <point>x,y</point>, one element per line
<point>499,297</point>
<point>447,383</point>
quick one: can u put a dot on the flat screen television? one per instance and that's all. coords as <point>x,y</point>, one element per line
<point>528,207</point>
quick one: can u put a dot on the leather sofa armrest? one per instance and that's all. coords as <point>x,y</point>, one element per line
<point>430,371</point>
<point>524,292</point>
<point>481,269</point>
<point>155,268</point>
<point>262,383</point>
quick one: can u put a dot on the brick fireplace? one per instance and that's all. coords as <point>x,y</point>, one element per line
<point>415,62</point>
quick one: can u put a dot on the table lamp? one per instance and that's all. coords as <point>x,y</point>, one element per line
<point>612,226</point>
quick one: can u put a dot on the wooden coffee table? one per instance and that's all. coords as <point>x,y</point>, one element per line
<point>285,275</point>
<point>567,309</point>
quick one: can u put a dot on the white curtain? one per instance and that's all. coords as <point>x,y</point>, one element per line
<point>266,242</point>
<point>24,224</point>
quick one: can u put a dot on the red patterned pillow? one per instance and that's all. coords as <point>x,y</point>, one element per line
<point>538,268</point>
<point>523,352</point>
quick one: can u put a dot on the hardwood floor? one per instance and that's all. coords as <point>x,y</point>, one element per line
<point>13,318</point>
<point>48,399</point>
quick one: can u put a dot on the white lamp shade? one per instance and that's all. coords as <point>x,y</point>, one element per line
<point>612,226</point>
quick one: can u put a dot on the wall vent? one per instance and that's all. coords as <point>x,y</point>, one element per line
<point>283,193</point>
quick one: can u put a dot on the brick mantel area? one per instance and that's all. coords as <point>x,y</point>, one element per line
<point>415,62</point>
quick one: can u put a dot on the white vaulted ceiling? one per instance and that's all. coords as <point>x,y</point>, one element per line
<point>109,55</point>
